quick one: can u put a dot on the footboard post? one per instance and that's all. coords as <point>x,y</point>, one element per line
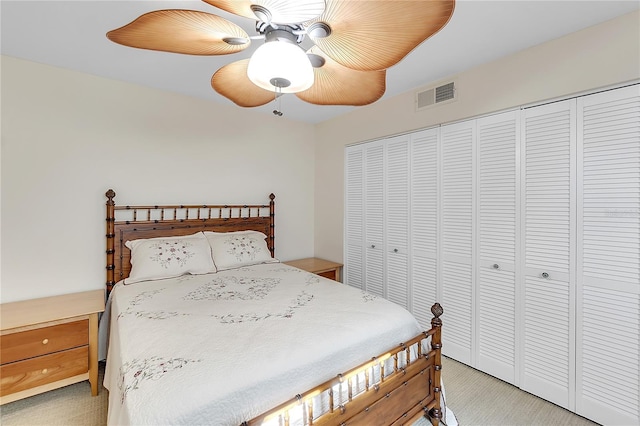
<point>436,344</point>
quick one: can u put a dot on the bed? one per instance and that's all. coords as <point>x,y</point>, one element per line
<point>242,339</point>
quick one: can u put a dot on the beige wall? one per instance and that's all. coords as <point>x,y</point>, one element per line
<point>67,137</point>
<point>59,128</point>
<point>596,57</point>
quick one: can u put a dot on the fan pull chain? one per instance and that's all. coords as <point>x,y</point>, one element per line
<point>278,95</point>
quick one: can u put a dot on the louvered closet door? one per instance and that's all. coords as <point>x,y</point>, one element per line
<point>548,309</point>
<point>424,224</point>
<point>374,218</point>
<point>457,145</point>
<point>397,219</point>
<point>608,329</point>
<point>498,218</point>
<point>354,217</point>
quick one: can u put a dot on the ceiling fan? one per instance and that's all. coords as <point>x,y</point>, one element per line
<point>353,43</point>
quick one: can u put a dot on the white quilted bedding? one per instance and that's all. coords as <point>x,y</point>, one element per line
<point>222,348</point>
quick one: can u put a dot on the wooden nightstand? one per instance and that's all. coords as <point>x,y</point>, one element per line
<point>324,268</point>
<point>49,343</point>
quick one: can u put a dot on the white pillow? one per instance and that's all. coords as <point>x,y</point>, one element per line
<point>241,248</point>
<point>166,257</point>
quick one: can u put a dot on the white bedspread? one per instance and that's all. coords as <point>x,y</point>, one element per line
<point>222,348</point>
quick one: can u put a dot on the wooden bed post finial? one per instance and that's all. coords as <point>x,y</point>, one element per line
<point>110,194</point>
<point>436,310</point>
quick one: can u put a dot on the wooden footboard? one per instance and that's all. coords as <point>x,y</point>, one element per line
<point>394,388</point>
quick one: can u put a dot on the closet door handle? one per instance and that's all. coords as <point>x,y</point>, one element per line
<point>545,275</point>
<point>495,266</point>
<point>373,246</point>
<point>395,250</point>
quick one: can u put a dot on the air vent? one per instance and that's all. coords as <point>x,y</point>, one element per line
<point>443,93</point>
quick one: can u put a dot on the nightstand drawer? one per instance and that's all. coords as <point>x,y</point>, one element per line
<point>28,344</point>
<point>329,274</point>
<point>21,375</point>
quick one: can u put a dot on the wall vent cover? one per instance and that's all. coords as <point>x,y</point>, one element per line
<point>431,96</point>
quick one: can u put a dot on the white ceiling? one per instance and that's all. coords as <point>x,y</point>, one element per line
<point>71,34</point>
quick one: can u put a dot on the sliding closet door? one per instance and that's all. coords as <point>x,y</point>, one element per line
<point>424,223</point>
<point>498,219</point>
<point>608,328</point>
<point>548,212</point>
<point>457,145</point>
<point>374,218</point>
<point>354,217</point>
<point>397,219</point>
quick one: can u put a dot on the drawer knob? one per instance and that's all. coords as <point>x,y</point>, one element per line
<point>45,341</point>
<point>44,371</point>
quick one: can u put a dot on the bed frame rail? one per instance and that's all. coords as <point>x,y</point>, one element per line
<point>410,391</point>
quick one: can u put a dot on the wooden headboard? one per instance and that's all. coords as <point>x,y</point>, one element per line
<point>126,223</point>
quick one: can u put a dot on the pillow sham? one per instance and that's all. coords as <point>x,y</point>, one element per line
<point>240,248</point>
<point>167,257</point>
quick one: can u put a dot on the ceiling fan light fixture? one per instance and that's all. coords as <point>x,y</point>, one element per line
<point>355,42</point>
<point>280,65</point>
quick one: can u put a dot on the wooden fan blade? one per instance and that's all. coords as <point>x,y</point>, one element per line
<point>335,84</point>
<point>231,81</point>
<point>280,11</point>
<point>375,35</point>
<point>182,31</point>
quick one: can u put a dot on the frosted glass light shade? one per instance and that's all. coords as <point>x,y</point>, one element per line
<point>278,61</point>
